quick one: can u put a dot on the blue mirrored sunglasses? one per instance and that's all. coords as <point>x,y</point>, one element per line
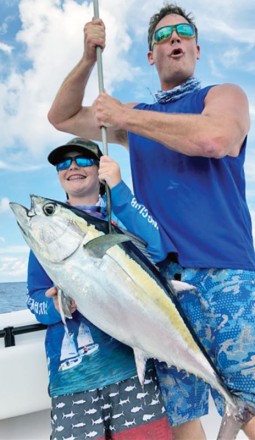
<point>80,161</point>
<point>184,30</point>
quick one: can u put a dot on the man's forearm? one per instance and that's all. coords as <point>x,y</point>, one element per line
<point>68,100</point>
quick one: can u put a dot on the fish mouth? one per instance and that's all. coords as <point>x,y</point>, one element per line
<point>21,213</point>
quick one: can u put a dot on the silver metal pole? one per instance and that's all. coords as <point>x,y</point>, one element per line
<point>100,79</point>
<point>103,129</point>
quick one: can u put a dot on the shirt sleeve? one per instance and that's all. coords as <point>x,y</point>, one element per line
<point>137,220</point>
<point>37,283</point>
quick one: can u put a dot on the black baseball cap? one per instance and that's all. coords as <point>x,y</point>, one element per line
<point>84,146</point>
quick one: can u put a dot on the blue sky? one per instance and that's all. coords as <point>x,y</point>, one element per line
<point>40,42</point>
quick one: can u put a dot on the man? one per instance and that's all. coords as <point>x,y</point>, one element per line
<point>93,382</point>
<point>191,144</point>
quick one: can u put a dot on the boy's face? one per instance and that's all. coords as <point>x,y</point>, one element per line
<point>77,180</point>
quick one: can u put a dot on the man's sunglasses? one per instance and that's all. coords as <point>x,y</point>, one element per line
<point>80,161</point>
<point>184,30</point>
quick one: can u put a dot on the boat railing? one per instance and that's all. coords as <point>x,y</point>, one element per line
<point>9,333</point>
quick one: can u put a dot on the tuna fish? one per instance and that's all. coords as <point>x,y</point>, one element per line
<point>120,291</point>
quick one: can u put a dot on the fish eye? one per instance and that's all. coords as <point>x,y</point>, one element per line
<point>49,208</point>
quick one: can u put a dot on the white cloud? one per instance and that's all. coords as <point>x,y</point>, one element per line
<point>231,57</point>
<point>3,165</point>
<point>252,112</point>
<point>5,48</point>
<point>53,41</point>
<point>13,268</point>
<point>4,205</point>
<point>215,68</point>
<point>14,250</point>
<point>19,168</point>
<point>250,67</point>
<point>13,263</point>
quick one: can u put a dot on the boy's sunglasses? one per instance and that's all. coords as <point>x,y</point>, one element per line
<point>184,30</point>
<point>80,161</point>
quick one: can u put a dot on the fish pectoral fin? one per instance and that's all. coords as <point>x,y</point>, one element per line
<point>99,246</point>
<point>140,362</point>
<point>64,303</point>
<point>135,239</point>
<point>140,244</point>
<point>180,286</point>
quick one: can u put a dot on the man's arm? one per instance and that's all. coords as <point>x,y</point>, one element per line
<point>67,113</point>
<point>218,131</point>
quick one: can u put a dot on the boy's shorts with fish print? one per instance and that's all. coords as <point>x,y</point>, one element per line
<point>121,411</point>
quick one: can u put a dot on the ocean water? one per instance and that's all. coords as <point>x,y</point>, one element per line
<point>12,297</point>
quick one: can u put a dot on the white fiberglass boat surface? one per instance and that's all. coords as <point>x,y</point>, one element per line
<point>25,404</point>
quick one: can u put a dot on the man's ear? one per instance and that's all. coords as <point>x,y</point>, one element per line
<point>150,57</point>
<point>198,52</point>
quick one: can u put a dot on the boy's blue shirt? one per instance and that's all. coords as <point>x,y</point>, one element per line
<point>138,220</point>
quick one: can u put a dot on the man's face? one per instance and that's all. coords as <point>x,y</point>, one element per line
<point>174,58</point>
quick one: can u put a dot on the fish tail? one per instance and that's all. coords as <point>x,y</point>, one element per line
<point>233,419</point>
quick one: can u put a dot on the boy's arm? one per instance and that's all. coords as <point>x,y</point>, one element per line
<point>134,216</point>
<point>38,283</point>
<point>137,220</point>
